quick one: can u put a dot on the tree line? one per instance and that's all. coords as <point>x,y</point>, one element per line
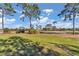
<point>70,12</point>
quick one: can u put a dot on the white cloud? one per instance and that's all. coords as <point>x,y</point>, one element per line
<point>67,25</point>
<point>21,16</point>
<point>0,20</point>
<point>10,20</point>
<point>77,25</point>
<point>18,11</point>
<point>60,24</point>
<point>71,17</point>
<point>0,12</point>
<point>48,11</point>
<point>64,25</point>
<point>18,25</point>
<point>7,20</point>
<point>43,21</point>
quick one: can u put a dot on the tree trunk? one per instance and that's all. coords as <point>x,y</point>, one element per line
<point>30,23</point>
<point>2,20</point>
<point>73,24</point>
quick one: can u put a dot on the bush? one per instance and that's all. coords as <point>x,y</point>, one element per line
<point>20,30</point>
<point>6,30</point>
<point>32,31</point>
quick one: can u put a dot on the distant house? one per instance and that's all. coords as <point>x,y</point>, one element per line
<point>50,27</point>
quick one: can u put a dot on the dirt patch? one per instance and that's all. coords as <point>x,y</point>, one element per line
<point>70,36</point>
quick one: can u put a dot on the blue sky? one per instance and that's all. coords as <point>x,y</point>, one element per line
<point>49,12</point>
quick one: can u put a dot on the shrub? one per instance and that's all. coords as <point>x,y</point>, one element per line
<point>32,31</point>
<point>6,30</point>
<point>20,30</point>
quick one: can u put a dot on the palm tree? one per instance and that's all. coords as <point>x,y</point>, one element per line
<point>70,12</point>
<point>6,10</point>
<point>30,10</point>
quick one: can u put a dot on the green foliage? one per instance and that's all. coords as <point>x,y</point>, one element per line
<point>32,31</point>
<point>30,10</point>
<point>6,30</point>
<point>71,10</point>
<point>7,8</point>
<point>20,30</point>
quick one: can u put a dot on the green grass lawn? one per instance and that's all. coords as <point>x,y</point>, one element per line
<point>60,44</point>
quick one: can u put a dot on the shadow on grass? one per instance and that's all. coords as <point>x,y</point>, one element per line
<point>71,50</point>
<point>18,46</point>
